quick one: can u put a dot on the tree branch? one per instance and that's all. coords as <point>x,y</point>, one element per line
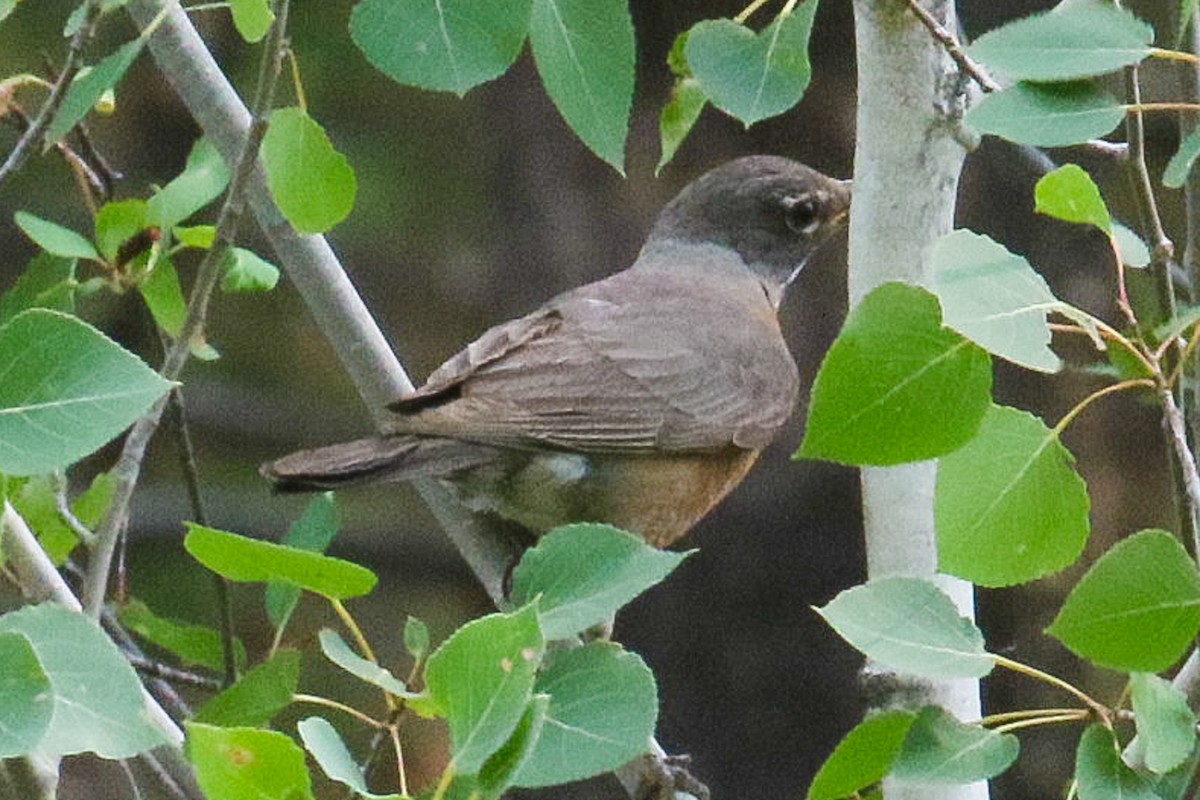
<point>334,303</point>
<point>133,453</point>
<point>74,61</point>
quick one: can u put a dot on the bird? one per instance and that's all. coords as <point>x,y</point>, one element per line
<point>639,400</point>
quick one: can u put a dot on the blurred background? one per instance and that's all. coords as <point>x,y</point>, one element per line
<point>472,211</point>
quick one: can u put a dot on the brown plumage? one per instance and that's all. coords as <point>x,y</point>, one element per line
<point>638,400</point>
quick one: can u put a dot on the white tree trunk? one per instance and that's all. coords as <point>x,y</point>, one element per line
<point>907,164</point>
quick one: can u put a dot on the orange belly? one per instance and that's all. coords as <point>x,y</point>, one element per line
<point>658,496</point>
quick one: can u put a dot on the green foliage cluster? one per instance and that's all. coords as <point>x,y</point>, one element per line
<point>521,707</point>
<point>909,379</point>
<point>524,704</point>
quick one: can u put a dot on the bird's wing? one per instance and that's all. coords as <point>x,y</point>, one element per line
<point>631,364</point>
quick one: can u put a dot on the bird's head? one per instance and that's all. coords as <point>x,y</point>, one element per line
<point>772,211</point>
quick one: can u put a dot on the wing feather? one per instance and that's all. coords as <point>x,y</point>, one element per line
<point>631,364</point>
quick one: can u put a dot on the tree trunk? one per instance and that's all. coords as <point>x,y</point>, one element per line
<point>907,164</point>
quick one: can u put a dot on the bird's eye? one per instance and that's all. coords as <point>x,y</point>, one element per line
<point>801,214</point>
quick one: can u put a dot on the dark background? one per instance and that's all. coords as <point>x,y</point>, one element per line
<point>471,211</point>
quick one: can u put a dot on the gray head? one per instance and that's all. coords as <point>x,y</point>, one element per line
<point>774,212</point>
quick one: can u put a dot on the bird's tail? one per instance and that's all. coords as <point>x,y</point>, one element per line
<point>375,460</point>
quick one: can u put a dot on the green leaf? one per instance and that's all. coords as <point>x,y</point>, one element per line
<point>313,531</point>
<point>117,222</point>
<point>247,764</point>
<point>481,679</point>
<point>91,506</point>
<point>246,272</point>
<point>7,7</point>
<point>1069,193</point>
<point>47,282</point>
<point>252,18</point>
<point>911,626</point>
<point>445,45</point>
<point>753,76</point>
<point>584,573</point>
<point>1048,114</point>
<point>257,696</point>
<point>994,298</point>
<point>1166,726</point>
<point>37,502</point>
<point>26,697</point>
<point>585,54</point>
<point>896,386</point>
<point>1137,609</point>
<point>940,749</point>
<point>66,390</point>
<point>1100,774</point>
<point>192,644</point>
<point>337,651</point>
<point>498,772</point>
<point>239,558</point>
<point>1133,250</point>
<point>1186,9</point>
<point>678,116</point>
<point>1077,39</point>
<point>603,707</point>
<point>97,698</point>
<point>863,757</point>
<point>322,740</point>
<point>312,183</point>
<point>54,238</point>
<point>76,19</point>
<point>1009,507</point>
<point>89,85</point>
<point>416,638</point>
<point>1177,784</point>
<point>203,179</point>
<point>1179,325</point>
<point>163,295</point>
<point>1177,169</point>
<point>200,237</point>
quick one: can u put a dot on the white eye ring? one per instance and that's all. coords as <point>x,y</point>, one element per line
<point>802,214</point>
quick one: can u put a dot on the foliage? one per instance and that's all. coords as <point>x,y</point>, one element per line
<point>1009,505</point>
<point>523,702</point>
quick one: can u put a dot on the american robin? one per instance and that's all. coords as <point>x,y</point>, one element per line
<point>639,400</point>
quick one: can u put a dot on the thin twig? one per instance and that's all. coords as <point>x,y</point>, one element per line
<point>191,478</point>
<point>953,49</point>
<point>81,531</point>
<point>156,669</point>
<point>74,61</point>
<point>1177,434</point>
<point>133,453</point>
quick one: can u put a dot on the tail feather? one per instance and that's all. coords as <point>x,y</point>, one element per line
<point>377,460</point>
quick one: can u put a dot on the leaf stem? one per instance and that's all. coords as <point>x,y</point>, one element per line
<point>351,625</point>
<point>1112,388</point>
<point>1006,717</point>
<point>444,782</point>
<point>317,700</point>
<point>1138,108</point>
<point>1173,55</point>
<point>746,12</point>
<point>394,731</point>
<point>1078,715</point>
<point>1037,674</point>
